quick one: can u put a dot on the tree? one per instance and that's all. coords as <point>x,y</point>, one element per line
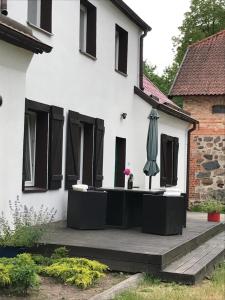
<point>205,18</point>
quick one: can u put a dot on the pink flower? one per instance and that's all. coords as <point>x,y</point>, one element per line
<point>126,171</point>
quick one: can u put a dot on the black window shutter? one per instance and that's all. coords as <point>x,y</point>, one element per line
<point>46,15</point>
<point>163,159</point>
<point>98,153</point>
<point>55,148</point>
<point>91,31</point>
<point>123,41</point>
<point>175,160</point>
<point>73,149</point>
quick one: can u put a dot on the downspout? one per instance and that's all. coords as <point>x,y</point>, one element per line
<point>141,69</point>
<point>3,7</point>
<point>188,162</point>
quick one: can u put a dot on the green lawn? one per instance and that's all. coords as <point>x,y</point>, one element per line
<point>153,289</point>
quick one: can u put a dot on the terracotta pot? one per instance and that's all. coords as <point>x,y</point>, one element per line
<point>214,217</point>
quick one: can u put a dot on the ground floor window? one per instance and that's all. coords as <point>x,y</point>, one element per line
<point>42,154</point>
<point>169,160</point>
<point>29,148</point>
<point>84,150</point>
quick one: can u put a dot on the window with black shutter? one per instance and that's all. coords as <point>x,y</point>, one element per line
<point>42,152</point>
<point>87,28</point>
<point>84,150</point>
<point>40,14</point>
<point>121,48</point>
<point>169,160</point>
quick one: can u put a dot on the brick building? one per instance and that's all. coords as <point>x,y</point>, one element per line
<point>201,83</point>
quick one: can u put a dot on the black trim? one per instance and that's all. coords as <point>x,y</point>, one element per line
<point>121,73</point>
<point>36,106</point>
<point>15,33</point>
<point>164,108</point>
<point>131,14</point>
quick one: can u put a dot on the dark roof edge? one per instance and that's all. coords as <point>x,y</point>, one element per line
<point>121,5</point>
<point>17,34</point>
<point>164,108</point>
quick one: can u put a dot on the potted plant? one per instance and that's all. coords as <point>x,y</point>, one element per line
<point>25,229</point>
<point>213,208</point>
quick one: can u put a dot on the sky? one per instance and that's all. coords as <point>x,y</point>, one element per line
<point>164,17</point>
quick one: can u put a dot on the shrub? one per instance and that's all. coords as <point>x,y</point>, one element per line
<point>18,274</point>
<point>81,272</point>
<point>209,206</point>
<point>60,252</point>
<point>28,225</point>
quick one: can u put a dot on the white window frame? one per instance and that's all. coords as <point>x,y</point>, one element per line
<point>32,148</point>
<point>117,44</point>
<point>34,12</point>
<point>83,28</point>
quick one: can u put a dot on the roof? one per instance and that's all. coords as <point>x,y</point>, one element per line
<point>21,36</point>
<point>151,90</point>
<point>153,96</point>
<point>121,5</point>
<point>202,71</point>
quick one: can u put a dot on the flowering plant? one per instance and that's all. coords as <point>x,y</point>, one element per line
<point>126,171</point>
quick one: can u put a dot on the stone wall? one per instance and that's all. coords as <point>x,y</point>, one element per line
<point>210,163</point>
<point>207,143</point>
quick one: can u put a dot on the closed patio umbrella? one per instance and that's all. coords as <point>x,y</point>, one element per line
<point>151,168</point>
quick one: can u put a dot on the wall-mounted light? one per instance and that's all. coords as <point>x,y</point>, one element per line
<point>123,116</point>
<point>0,100</point>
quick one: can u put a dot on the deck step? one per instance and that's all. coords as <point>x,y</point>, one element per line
<point>195,265</point>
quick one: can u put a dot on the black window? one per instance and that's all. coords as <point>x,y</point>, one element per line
<point>218,109</point>
<point>40,13</point>
<point>84,151</point>
<point>169,160</point>
<point>121,47</point>
<point>3,7</point>
<point>87,28</point>
<point>42,154</point>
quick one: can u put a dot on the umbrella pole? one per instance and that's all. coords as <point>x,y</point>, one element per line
<point>150,182</point>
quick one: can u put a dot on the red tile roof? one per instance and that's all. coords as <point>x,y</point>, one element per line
<point>203,69</point>
<point>151,90</point>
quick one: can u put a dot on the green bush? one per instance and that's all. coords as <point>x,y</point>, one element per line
<point>209,206</point>
<point>81,272</point>
<point>18,274</point>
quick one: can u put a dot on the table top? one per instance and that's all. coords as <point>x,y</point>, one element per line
<point>134,190</point>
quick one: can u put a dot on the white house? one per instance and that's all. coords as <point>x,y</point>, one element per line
<point>78,111</point>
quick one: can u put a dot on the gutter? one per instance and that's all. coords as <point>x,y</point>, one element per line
<point>164,108</point>
<point>141,62</point>
<point>188,162</point>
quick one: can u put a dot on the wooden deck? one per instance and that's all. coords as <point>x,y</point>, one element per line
<point>130,250</point>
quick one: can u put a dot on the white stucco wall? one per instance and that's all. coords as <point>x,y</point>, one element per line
<point>13,65</point>
<point>69,79</point>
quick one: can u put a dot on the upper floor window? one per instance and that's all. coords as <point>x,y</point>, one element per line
<point>87,28</point>
<point>121,48</point>
<point>40,13</point>
<point>218,109</point>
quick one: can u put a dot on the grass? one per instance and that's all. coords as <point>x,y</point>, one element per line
<point>154,289</point>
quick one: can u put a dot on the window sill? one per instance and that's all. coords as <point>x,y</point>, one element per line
<point>40,29</point>
<point>34,189</point>
<point>88,55</point>
<point>121,73</point>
